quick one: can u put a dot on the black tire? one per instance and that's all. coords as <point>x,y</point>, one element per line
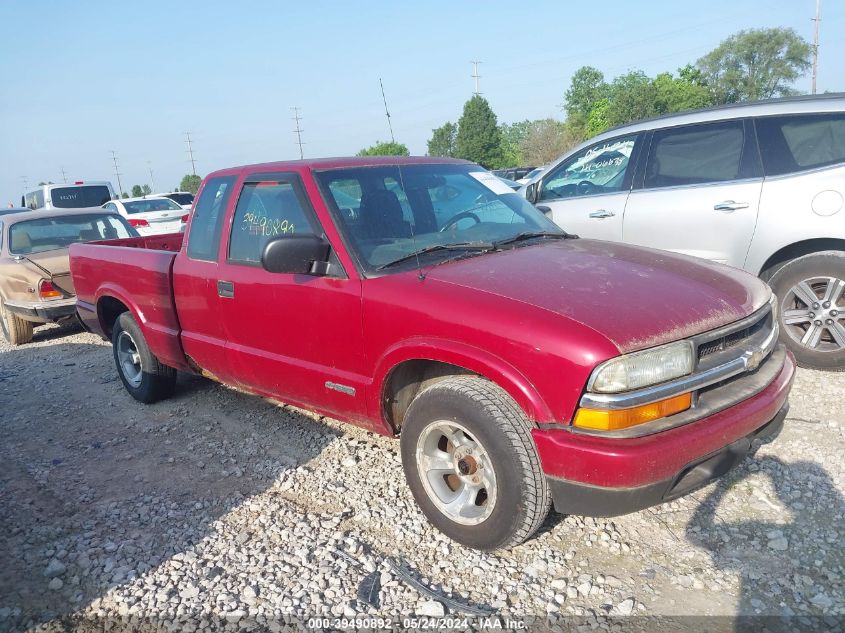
<point>16,330</point>
<point>497,424</point>
<point>828,354</point>
<point>155,381</point>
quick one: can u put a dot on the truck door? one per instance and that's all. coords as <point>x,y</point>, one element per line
<point>700,192</point>
<point>195,280</point>
<point>292,336</point>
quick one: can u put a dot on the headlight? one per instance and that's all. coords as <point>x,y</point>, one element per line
<point>642,369</point>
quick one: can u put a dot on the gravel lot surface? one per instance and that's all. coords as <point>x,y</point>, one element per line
<point>219,507</point>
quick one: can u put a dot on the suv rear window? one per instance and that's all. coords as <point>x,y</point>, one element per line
<point>80,197</point>
<point>798,142</point>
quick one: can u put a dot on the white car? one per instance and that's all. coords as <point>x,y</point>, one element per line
<point>150,215</point>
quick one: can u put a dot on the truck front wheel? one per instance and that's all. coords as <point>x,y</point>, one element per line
<point>471,464</point>
<point>144,376</point>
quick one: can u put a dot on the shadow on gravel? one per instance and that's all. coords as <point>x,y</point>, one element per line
<point>96,489</point>
<point>780,562</point>
<point>44,334</point>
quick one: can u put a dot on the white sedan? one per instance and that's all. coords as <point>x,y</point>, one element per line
<point>150,215</point>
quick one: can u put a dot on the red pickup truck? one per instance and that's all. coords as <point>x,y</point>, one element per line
<point>422,298</point>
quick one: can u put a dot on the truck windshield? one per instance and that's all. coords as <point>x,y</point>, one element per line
<point>79,197</point>
<point>387,213</point>
<point>47,234</point>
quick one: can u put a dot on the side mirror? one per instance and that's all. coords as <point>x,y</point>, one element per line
<point>532,191</point>
<point>300,254</point>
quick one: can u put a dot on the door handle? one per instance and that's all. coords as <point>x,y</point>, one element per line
<point>730,205</point>
<point>601,213</point>
<point>226,289</point>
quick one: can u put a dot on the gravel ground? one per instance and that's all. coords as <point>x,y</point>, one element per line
<point>218,507</point>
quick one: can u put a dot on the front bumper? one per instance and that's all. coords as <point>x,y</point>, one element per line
<point>606,476</point>
<point>44,311</point>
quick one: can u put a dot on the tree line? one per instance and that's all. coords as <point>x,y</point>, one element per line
<point>749,65</point>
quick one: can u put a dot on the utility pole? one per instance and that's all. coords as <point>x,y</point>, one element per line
<point>475,76</point>
<point>816,19</point>
<point>117,173</point>
<point>25,185</point>
<point>298,130</point>
<point>191,153</point>
<point>64,175</point>
<point>152,180</point>
<point>386,112</point>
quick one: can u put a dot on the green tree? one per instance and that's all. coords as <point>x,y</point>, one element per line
<point>677,95</point>
<point>442,141</point>
<point>479,138</point>
<point>124,195</point>
<point>598,122</point>
<point>755,64</point>
<point>632,97</point>
<point>385,149</point>
<point>586,89</point>
<point>190,183</point>
<point>513,139</point>
<point>137,192</point>
<point>546,140</point>
<point>146,190</point>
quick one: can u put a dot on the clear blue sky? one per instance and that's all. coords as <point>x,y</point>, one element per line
<point>78,79</point>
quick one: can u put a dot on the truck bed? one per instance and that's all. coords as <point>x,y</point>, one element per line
<point>135,272</point>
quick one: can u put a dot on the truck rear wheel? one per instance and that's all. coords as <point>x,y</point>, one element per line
<point>144,376</point>
<point>471,464</point>
<point>16,330</point>
<point>811,296</point>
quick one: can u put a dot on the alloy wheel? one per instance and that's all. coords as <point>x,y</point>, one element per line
<point>813,313</point>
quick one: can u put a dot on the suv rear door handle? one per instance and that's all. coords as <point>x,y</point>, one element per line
<point>226,289</point>
<point>601,213</point>
<point>730,205</point>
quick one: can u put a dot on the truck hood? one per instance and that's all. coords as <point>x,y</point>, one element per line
<point>636,297</point>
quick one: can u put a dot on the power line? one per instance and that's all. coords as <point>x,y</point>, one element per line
<point>298,130</point>
<point>191,153</point>
<point>475,76</point>
<point>816,19</point>
<point>117,173</point>
<point>386,112</point>
<point>152,180</point>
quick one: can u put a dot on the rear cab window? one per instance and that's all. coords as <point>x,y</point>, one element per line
<point>796,143</point>
<point>206,224</point>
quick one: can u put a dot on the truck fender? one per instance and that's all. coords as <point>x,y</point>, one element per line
<point>468,357</point>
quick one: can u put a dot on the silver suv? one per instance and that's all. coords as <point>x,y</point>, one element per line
<point>758,186</point>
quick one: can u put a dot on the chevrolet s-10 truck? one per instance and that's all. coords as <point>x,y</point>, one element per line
<point>422,298</point>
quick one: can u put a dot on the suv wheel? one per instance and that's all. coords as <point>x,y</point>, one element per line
<point>16,330</point>
<point>471,464</point>
<point>811,291</point>
<point>144,376</point>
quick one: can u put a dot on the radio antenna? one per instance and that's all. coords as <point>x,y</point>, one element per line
<point>386,112</point>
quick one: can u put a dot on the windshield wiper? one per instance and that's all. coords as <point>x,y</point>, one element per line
<point>463,246</point>
<point>528,235</point>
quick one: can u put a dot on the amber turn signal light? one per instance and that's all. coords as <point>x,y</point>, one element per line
<point>607,420</point>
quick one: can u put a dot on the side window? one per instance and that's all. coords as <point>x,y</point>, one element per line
<point>594,171</point>
<point>110,206</point>
<point>204,238</point>
<point>798,142</point>
<point>267,210</point>
<point>695,154</point>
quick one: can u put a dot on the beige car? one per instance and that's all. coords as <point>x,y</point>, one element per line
<point>35,282</point>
